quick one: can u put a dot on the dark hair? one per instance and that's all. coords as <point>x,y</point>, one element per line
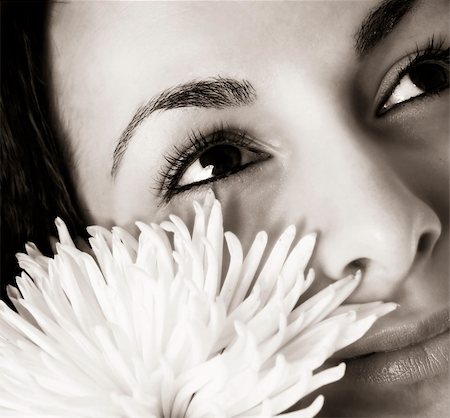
<point>35,184</point>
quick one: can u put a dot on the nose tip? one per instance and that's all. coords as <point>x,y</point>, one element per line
<point>384,247</point>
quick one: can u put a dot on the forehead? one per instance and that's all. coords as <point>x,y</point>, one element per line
<point>179,32</point>
<point>206,19</point>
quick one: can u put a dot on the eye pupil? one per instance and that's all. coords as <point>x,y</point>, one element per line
<point>224,158</point>
<point>429,77</point>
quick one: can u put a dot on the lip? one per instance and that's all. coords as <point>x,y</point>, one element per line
<point>401,355</point>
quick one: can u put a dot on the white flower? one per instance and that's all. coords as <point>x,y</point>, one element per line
<point>152,331</point>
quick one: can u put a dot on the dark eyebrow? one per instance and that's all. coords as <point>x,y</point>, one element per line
<point>380,22</point>
<point>217,93</point>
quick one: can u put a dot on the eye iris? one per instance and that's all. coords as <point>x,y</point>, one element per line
<point>224,158</point>
<point>429,77</point>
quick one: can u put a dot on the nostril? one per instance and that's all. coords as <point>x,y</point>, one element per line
<point>425,243</point>
<point>354,266</point>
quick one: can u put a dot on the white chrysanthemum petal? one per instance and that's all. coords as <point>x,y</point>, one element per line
<point>334,295</point>
<point>214,233</point>
<point>284,399</point>
<point>236,259</point>
<point>271,345</point>
<point>326,377</point>
<point>269,274</point>
<point>100,232</point>
<point>199,229</point>
<point>366,309</point>
<point>359,327</point>
<point>128,240</point>
<point>16,298</point>
<point>291,298</point>
<point>29,331</point>
<point>149,328</point>
<point>120,251</point>
<point>63,233</point>
<point>33,251</point>
<point>212,278</point>
<point>34,256</point>
<point>32,267</point>
<point>249,267</point>
<point>299,256</point>
<point>180,227</point>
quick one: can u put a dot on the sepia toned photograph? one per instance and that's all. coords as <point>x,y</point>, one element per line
<point>223,209</point>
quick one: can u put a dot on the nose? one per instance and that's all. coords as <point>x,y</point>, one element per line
<point>367,217</point>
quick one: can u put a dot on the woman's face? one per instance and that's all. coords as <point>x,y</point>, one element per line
<point>332,116</point>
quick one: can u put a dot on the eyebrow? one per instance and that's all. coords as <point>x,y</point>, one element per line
<point>379,23</point>
<point>217,93</point>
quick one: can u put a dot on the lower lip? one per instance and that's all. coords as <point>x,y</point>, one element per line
<point>404,366</point>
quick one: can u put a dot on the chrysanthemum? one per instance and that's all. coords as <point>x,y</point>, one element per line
<point>149,328</point>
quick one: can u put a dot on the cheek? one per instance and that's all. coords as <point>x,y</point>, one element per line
<point>92,182</point>
<point>252,202</point>
<point>421,157</point>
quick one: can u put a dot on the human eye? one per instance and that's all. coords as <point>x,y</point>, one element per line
<point>425,73</point>
<point>209,158</point>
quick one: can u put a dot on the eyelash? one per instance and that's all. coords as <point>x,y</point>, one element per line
<point>181,157</point>
<point>433,51</point>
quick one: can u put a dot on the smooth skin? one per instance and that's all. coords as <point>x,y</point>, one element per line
<point>375,188</point>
